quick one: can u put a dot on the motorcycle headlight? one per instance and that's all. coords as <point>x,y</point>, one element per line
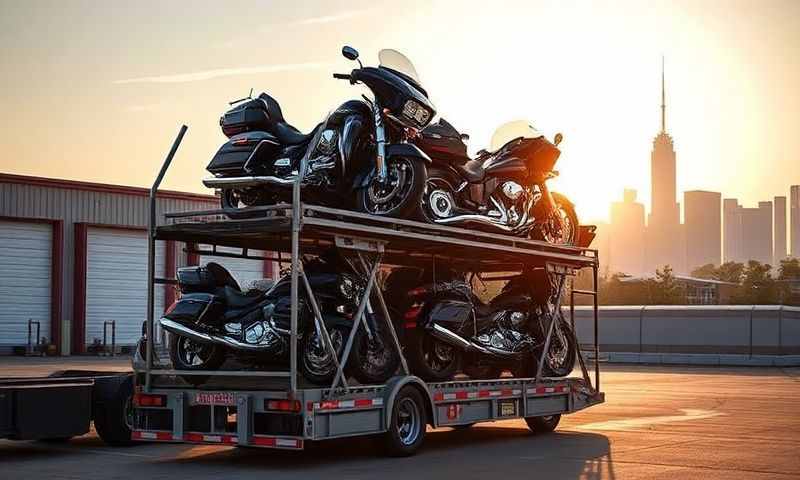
<point>416,113</point>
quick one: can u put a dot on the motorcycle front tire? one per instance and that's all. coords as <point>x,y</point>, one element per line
<point>213,357</point>
<point>419,346</point>
<point>410,203</point>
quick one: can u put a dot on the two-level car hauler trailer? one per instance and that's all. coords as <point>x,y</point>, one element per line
<point>274,408</point>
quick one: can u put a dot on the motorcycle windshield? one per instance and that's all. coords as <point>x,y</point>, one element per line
<point>512,131</point>
<point>394,60</point>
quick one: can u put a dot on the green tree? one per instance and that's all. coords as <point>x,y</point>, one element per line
<point>789,275</point>
<point>757,287</point>
<point>729,272</point>
<point>664,289</point>
<point>707,271</point>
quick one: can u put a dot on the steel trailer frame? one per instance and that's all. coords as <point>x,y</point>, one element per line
<point>315,413</point>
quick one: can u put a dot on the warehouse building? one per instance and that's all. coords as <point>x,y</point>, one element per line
<point>73,261</point>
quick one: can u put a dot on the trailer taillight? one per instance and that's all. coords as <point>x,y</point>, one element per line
<point>146,400</point>
<point>283,405</point>
<point>411,315</point>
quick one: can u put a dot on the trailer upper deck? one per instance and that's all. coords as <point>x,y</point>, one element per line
<point>402,242</point>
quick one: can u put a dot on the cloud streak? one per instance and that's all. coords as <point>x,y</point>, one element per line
<point>329,18</point>
<point>222,72</point>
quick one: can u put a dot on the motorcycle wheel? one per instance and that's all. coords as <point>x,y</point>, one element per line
<point>437,198</point>
<point>316,363</point>
<point>373,362</point>
<point>431,359</point>
<point>400,196</point>
<point>186,354</point>
<point>560,359</point>
<point>231,202</point>
<point>562,229</point>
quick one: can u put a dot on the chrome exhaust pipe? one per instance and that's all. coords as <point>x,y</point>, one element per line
<point>456,340</point>
<point>244,182</point>
<point>468,218</point>
<point>200,337</point>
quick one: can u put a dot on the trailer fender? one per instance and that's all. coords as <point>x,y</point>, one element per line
<point>393,387</point>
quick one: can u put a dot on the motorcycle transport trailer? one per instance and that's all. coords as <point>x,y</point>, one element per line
<point>274,407</point>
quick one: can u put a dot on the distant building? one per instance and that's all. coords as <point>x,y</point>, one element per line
<point>732,231</point>
<point>794,223</point>
<point>779,225</point>
<point>626,239</point>
<point>702,291</point>
<point>663,226</point>
<point>748,232</point>
<point>703,225</point>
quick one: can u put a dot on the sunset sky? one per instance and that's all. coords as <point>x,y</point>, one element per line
<point>96,90</point>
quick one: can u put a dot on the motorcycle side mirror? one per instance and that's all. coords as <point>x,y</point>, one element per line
<point>464,137</point>
<point>349,52</point>
<point>559,137</point>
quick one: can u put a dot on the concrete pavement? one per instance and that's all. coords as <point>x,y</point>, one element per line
<point>658,422</point>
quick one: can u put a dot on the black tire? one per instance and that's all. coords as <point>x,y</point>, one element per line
<point>373,362</point>
<point>563,366</point>
<point>526,367</point>
<point>113,410</point>
<point>210,357</point>
<point>315,362</point>
<point>428,361</point>
<point>411,192</point>
<point>407,423</point>
<point>544,424</point>
<point>569,216</point>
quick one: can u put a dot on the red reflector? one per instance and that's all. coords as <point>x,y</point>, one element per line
<point>413,312</point>
<point>193,437</point>
<point>283,405</point>
<point>145,400</point>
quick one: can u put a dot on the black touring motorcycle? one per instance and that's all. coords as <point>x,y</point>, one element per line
<point>446,328</point>
<point>214,320</point>
<point>503,190</point>
<point>359,156</point>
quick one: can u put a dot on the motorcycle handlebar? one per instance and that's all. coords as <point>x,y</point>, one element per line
<point>341,76</point>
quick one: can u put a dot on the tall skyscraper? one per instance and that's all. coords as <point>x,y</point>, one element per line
<point>663,245</point>
<point>703,224</point>
<point>779,224</point>
<point>732,225</point>
<point>757,233</point>
<point>626,242</point>
<point>794,223</point>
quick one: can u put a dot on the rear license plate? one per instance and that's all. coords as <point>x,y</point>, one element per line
<point>508,408</point>
<point>215,398</point>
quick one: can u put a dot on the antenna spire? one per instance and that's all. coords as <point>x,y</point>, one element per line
<point>663,103</point>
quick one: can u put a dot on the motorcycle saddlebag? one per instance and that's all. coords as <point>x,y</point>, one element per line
<point>243,152</point>
<point>196,307</point>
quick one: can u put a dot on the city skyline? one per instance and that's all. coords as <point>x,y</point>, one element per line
<point>107,95</point>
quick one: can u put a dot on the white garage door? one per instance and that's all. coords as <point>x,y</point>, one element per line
<point>25,262</point>
<point>244,270</point>
<point>116,283</point>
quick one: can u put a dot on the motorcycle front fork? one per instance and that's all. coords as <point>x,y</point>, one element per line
<point>380,141</point>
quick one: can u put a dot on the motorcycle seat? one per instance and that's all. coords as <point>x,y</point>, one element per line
<point>235,299</point>
<point>472,170</point>
<point>283,131</point>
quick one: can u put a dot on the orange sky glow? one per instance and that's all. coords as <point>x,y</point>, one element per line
<point>96,91</point>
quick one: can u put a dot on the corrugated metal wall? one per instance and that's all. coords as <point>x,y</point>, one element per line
<point>73,205</point>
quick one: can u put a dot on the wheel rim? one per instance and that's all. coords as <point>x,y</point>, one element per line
<point>193,354</point>
<point>376,356</point>
<point>317,358</point>
<point>408,421</point>
<point>559,229</point>
<point>557,354</point>
<point>437,201</point>
<point>128,413</point>
<point>438,356</point>
<point>382,198</point>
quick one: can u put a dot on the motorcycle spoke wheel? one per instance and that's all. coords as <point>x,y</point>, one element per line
<point>394,195</point>
<point>192,353</point>
<point>317,359</point>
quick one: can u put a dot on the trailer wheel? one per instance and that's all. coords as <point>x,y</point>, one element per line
<point>407,427</point>
<point>113,411</point>
<point>544,424</point>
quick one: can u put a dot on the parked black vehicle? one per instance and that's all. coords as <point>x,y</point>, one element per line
<point>214,319</point>
<point>359,156</point>
<point>503,190</point>
<point>447,328</point>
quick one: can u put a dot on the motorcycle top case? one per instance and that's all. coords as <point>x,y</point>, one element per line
<point>243,152</point>
<point>248,116</point>
<point>196,279</point>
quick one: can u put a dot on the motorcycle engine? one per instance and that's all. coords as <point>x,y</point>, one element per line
<point>323,158</point>
<point>507,334</point>
<point>514,199</point>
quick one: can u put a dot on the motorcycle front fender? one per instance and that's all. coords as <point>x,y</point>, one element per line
<point>407,150</point>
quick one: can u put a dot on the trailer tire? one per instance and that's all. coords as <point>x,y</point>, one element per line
<point>408,422</point>
<point>545,424</point>
<point>112,411</point>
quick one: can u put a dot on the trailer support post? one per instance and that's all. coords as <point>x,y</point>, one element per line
<point>151,254</point>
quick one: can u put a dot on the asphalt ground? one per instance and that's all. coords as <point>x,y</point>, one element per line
<point>658,422</point>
